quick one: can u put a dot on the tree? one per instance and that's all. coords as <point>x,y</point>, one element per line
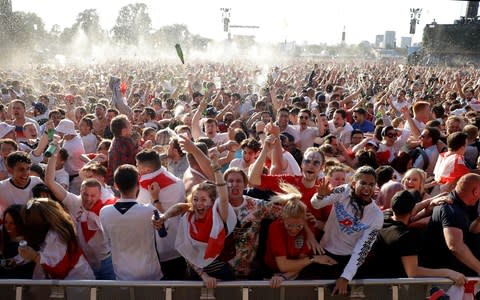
<point>169,35</point>
<point>133,23</point>
<point>27,29</point>
<point>89,21</point>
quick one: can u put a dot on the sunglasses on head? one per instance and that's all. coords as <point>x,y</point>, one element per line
<point>316,163</point>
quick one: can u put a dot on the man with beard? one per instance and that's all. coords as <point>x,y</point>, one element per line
<point>351,228</point>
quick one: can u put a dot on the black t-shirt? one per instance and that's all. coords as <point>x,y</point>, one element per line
<point>435,253</point>
<point>394,241</point>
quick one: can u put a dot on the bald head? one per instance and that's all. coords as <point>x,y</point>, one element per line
<point>468,188</point>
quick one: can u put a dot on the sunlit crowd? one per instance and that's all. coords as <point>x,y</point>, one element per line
<point>234,171</point>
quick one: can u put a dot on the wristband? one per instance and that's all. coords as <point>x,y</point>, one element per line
<point>260,132</point>
<point>156,201</point>
<point>222,184</point>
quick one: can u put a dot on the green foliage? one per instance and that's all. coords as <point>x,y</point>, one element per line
<point>89,21</point>
<point>133,23</point>
<point>25,29</point>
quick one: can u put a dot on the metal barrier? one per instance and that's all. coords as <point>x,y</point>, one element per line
<point>395,289</point>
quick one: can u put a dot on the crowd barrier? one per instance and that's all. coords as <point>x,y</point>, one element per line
<point>371,289</point>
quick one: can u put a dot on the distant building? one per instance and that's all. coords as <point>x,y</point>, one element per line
<point>389,41</point>
<point>378,40</point>
<point>405,42</point>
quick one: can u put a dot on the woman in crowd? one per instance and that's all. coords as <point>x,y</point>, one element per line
<point>414,179</point>
<point>287,251</point>
<point>52,244</point>
<point>205,223</point>
<point>12,265</point>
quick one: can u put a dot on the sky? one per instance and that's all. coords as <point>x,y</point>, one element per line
<point>302,21</point>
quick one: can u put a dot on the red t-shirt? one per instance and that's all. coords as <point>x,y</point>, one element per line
<point>279,243</point>
<point>272,182</point>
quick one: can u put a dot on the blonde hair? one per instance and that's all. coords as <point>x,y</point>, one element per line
<point>291,198</point>
<point>335,168</point>
<point>421,173</point>
<point>206,186</point>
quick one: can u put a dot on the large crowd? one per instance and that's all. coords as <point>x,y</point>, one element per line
<point>224,171</point>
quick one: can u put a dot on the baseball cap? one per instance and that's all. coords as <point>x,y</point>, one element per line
<point>40,107</point>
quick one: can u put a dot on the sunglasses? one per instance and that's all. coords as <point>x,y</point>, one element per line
<point>391,135</point>
<point>316,163</point>
<point>304,118</point>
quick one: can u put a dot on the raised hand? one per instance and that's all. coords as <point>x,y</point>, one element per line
<point>154,189</point>
<point>323,188</point>
<point>272,129</point>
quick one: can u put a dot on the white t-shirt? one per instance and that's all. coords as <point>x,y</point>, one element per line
<point>293,131</point>
<point>420,125</point>
<point>239,163</point>
<point>132,239</point>
<point>13,195</point>
<point>61,176</point>
<point>293,168</point>
<point>90,143</point>
<point>307,136</point>
<point>343,134</point>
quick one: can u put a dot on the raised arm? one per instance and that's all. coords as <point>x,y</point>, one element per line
<point>278,162</point>
<point>255,174</point>
<point>325,196</point>
<point>413,127</point>
<point>202,159</point>
<point>58,191</point>
<point>222,189</point>
<point>43,143</point>
<point>196,130</point>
